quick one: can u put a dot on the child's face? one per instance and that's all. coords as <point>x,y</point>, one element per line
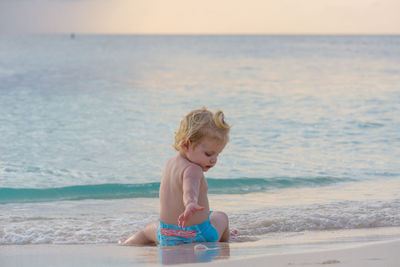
<point>205,154</point>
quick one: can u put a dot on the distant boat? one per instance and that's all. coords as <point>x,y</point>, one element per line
<point>72,35</point>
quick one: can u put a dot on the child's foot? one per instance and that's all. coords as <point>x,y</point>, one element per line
<point>234,232</point>
<point>121,241</point>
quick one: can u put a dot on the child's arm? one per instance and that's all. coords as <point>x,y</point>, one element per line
<point>191,186</point>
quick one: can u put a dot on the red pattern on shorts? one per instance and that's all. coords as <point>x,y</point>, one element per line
<point>180,233</point>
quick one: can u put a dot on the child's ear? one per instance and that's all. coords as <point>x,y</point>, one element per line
<point>185,145</point>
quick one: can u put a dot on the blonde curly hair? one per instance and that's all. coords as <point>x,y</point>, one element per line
<point>200,123</point>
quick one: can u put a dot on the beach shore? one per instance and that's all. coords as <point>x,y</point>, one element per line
<point>366,255</point>
<point>382,253</point>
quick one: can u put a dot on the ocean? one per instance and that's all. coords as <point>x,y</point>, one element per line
<point>87,124</point>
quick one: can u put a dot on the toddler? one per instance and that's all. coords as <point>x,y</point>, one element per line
<point>185,215</point>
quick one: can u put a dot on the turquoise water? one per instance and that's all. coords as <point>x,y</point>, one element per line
<point>93,119</point>
<point>150,190</point>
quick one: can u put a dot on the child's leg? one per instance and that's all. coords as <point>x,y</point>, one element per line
<point>220,221</point>
<point>144,237</point>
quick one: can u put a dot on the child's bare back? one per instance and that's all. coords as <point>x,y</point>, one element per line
<point>185,215</point>
<point>172,205</point>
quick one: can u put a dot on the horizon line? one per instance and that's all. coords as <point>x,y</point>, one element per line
<point>199,34</point>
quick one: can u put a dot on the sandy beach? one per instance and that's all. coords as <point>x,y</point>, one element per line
<point>372,254</point>
<point>382,253</point>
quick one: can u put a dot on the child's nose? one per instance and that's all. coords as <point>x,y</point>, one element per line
<point>213,160</point>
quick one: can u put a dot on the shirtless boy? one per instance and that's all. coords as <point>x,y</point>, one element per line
<point>185,215</point>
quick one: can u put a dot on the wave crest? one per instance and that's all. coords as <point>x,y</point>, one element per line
<point>150,190</point>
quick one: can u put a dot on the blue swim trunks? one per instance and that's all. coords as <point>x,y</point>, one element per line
<point>171,235</point>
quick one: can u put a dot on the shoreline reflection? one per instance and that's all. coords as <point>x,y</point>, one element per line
<point>193,253</point>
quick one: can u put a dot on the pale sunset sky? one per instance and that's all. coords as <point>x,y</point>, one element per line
<point>201,16</point>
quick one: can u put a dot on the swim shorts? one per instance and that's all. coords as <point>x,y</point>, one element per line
<point>171,235</point>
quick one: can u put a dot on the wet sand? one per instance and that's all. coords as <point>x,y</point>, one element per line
<point>381,253</point>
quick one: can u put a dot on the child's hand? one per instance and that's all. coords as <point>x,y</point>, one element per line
<point>191,208</point>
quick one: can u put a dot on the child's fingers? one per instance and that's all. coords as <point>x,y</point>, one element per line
<point>181,219</point>
<point>182,223</point>
<point>184,217</point>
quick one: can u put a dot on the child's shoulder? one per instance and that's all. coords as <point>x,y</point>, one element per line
<point>185,165</point>
<point>192,168</point>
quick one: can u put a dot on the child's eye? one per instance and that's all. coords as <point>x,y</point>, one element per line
<point>207,154</point>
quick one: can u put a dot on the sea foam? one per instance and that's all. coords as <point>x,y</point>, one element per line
<point>84,222</point>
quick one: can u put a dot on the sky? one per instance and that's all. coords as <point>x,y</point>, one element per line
<point>201,16</point>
